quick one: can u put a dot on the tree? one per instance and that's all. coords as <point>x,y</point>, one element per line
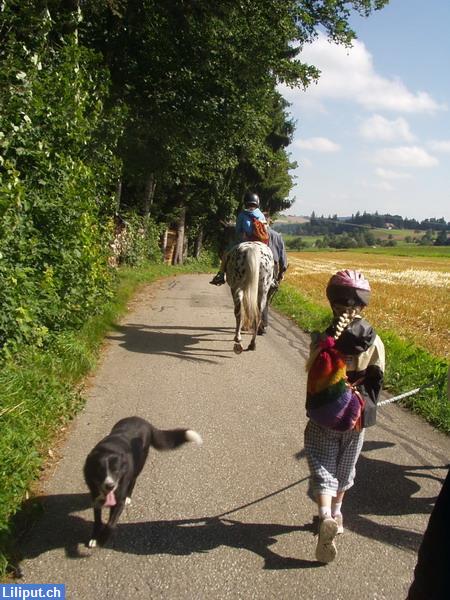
<point>199,85</point>
<point>442,238</point>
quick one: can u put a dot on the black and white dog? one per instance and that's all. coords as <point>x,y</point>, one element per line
<point>113,465</point>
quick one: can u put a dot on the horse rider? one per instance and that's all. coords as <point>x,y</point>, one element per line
<point>245,230</point>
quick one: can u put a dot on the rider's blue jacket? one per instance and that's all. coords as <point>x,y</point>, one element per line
<point>244,223</point>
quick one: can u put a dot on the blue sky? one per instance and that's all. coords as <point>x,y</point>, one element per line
<point>374,133</point>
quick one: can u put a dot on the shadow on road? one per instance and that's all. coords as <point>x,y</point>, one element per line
<point>168,341</point>
<point>384,488</point>
<point>184,537</point>
<point>61,529</point>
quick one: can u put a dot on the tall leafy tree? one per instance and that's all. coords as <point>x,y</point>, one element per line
<point>198,77</point>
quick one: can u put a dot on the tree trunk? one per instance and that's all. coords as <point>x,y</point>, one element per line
<point>178,255</point>
<point>185,249</point>
<point>164,241</point>
<point>118,194</point>
<point>198,243</point>
<point>149,194</point>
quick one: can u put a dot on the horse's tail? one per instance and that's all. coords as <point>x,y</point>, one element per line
<point>250,308</point>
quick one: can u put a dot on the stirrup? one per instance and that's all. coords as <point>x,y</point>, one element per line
<point>218,279</point>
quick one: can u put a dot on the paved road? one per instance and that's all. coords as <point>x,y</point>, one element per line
<point>231,519</point>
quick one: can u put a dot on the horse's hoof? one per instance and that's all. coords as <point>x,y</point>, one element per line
<point>252,346</point>
<point>237,348</point>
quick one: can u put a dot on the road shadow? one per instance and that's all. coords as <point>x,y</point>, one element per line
<point>383,488</point>
<point>170,341</point>
<point>59,528</point>
<point>185,537</point>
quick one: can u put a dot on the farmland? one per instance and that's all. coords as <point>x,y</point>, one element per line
<point>410,294</point>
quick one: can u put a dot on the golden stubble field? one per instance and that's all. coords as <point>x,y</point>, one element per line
<point>410,295</point>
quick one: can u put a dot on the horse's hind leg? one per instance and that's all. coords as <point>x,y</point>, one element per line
<point>255,327</point>
<point>262,299</point>
<point>237,297</point>
<point>252,345</point>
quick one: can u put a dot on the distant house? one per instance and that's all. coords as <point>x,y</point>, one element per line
<point>389,226</point>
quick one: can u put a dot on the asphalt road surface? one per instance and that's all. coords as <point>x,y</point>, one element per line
<point>233,518</point>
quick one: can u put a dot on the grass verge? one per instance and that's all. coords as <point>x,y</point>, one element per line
<point>40,393</point>
<point>407,366</point>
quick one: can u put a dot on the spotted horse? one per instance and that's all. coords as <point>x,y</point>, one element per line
<point>249,273</point>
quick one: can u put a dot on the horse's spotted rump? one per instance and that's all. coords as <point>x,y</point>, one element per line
<point>249,274</point>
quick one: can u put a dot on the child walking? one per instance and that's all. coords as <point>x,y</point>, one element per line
<point>345,376</point>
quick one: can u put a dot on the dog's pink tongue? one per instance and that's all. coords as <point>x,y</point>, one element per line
<point>110,499</point>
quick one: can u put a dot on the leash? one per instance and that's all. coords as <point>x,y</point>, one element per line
<point>406,394</point>
<point>283,489</point>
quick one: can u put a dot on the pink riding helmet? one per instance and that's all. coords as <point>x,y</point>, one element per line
<point>348,287</point>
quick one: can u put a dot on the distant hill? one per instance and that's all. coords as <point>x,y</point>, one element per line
<point>291,219</point>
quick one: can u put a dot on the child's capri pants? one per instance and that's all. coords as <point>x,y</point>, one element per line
<point>332,457</point>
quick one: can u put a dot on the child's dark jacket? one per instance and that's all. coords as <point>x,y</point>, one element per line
<point>365,360</point>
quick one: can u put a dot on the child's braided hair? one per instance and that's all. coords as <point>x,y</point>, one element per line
<point>339,326</point>
<point>343,321</point>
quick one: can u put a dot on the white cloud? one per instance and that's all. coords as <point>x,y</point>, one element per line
<point>379,128</point>
<point>406,156</point>
<point>439,145</point>
<point>349,74</point>
<point>391,175</point>
<point>385,186</point>
<point>319,144</point>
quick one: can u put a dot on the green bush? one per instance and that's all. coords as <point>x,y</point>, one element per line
<point>56,182</point>
<point>139,240</point>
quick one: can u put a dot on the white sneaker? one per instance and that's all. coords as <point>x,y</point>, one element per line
<point>326,548</point>
<point>340,523</point>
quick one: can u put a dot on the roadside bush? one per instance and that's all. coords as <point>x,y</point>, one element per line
<point>139,240</point>
<point>57,174</point>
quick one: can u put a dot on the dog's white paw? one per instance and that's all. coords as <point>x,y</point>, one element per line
<point>127,501</point>
<point>92,543</point>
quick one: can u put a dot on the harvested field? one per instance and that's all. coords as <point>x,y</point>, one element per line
<point>410,295</point>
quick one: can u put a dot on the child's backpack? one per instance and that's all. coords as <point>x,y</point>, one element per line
<point>330,400</point>
<point>260,233</point>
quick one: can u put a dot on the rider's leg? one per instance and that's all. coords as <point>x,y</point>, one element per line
<point>219,278</point>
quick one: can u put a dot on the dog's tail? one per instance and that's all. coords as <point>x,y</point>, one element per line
<point>168,439</point>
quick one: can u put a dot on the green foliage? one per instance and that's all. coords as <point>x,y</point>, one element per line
<point>139,240</point>
<point>206,261</point>
<point>296,243</point>
<point>199,81</point>
<point>409,367</point>
<point>307,315</point>
<point>398,223</point>
<point>56,170</point>
<point>36,402</point>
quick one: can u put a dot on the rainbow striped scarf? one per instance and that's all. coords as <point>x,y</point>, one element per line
<point>330,401</point>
